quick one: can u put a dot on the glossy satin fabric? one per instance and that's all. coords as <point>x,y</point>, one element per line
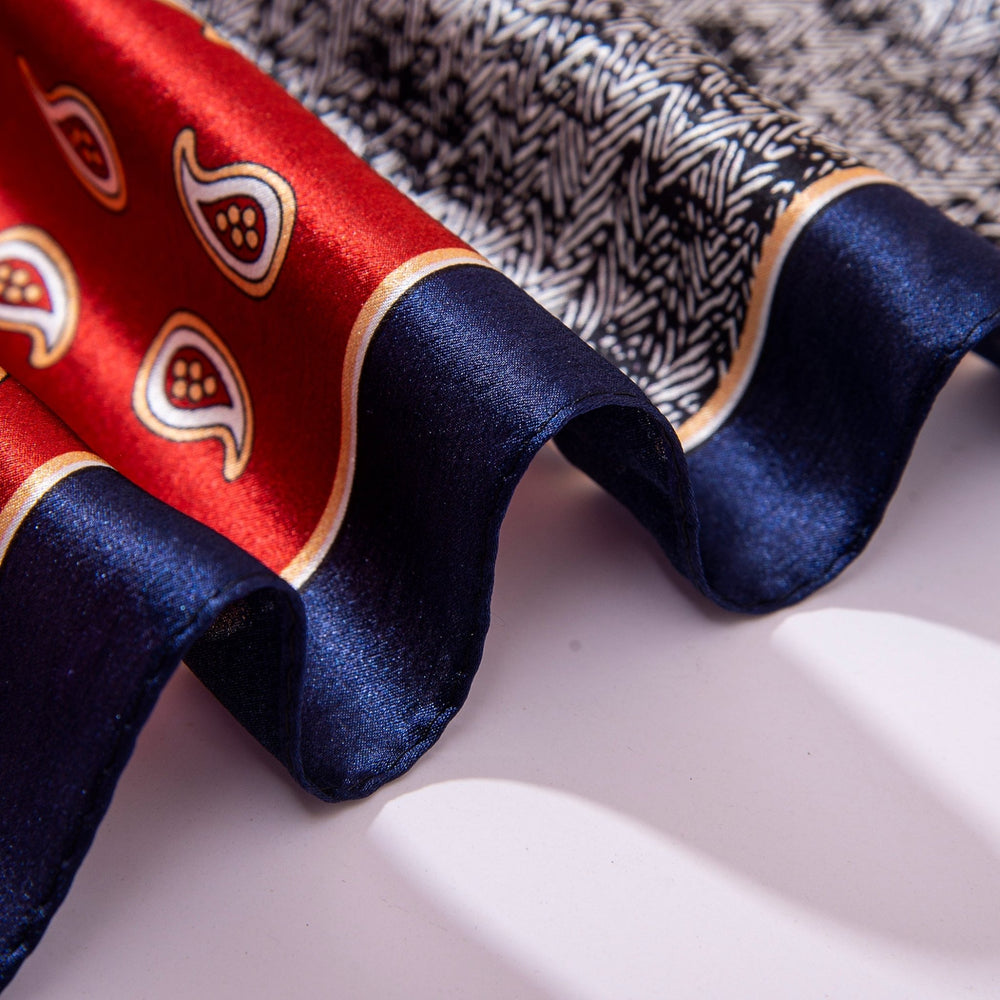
<point>350,674</point>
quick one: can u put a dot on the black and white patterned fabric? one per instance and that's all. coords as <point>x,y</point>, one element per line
<point>910,86</point>
<point>621,174</point>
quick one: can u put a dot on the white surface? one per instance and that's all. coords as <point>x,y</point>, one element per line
<point>644,796</point>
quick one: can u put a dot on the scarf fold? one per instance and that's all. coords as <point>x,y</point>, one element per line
<point>259,411</point>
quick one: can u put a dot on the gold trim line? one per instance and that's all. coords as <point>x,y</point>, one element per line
<point>27,495</point>
<point>391,289</point>
<point>803,208</point>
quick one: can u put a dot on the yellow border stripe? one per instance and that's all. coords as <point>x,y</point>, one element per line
<point>392,288</point>
<point>19,506</point>
<point>804,207</point>
<point>800,212</point>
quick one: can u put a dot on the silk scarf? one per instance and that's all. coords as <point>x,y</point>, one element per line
<point>263,413</point>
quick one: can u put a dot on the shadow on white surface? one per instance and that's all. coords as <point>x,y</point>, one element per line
<point>643,797</point>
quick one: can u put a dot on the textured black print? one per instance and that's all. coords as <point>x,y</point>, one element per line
<point>619,174</point>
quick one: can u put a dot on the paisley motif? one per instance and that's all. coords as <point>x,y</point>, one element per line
<point>39,293</point>
<point>190,388</point>
<point>242,213</point>
<point>84,139</point>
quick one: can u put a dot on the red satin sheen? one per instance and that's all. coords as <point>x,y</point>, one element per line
<point>150,72</point>
<point>30,436</point>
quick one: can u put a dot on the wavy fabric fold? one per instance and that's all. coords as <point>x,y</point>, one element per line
<point>262,412</point>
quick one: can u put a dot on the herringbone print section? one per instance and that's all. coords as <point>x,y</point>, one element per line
<point>910,87</point>
<point>620,176</point>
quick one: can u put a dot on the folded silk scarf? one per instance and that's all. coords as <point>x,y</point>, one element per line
<point>262,413</point>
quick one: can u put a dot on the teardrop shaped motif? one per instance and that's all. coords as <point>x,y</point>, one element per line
<point>190,388</point>
<point>83,137</point>
<point>242,214</point>
<point>39,293</point>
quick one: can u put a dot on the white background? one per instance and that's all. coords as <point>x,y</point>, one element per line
<point>643,797</point>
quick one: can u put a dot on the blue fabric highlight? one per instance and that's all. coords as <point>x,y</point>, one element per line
<point>467,379</point>
<point>102,593</point>
<point>464,382</point>
<point>878,302</point>
<point>104,589</point>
